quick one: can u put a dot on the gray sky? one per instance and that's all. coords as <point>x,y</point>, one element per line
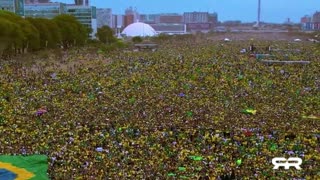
<point>245,10</point>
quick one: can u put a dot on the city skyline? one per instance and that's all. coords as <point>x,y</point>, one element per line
<point>274,11</point>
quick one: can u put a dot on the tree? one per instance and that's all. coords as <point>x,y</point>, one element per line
<point>31,39</point>
<point>105,35</point>
<point>49,32</point>
<point>30,36</point>
<point>55,33</point>
<point>18,34</point>
<point>72,31</point>
<point>11,34</point>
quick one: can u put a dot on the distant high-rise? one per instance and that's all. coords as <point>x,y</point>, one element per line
<point>36,1</point>
<point>82,2</point>
<point>305,19</point>
<point>196,17</point>
<point>149,18</point>
<point>131,16</point>
<point>44,10</point>
<point>171,18</point>
<point>15,6</point>
<point>104,17</point>
<point>86,15</point>
<point>213,18</point>
<point>316,17</point>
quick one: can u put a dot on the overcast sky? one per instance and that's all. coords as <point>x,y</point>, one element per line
<point>245,10</point>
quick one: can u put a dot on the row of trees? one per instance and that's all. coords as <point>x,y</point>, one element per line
<point>19,34</point>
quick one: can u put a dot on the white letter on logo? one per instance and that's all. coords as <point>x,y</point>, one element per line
<point>286,165</point>
<point>276,164</point>
<point>297,164</point>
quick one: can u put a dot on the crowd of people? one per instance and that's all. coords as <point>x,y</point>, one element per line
<point>176,113</point>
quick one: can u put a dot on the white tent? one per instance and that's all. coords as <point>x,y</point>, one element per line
<point>139,29</point>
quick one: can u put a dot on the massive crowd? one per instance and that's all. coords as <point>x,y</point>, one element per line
<point>176,113</point>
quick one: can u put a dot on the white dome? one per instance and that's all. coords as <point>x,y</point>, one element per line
<point>139,29</point>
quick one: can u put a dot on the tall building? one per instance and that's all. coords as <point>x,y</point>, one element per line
<point>316,17</point>
<point>15,6</point>
<point>213,18</point>
<point>7,5</point>
<point>81,2</point>
<point>200,21</point>
<point>45,10</point>
<point>36,1</point>
<point>196,17</point>
<point>305,19</point>
<point>131,16</point>
<point>149,18</point>
<point>119,21</point>
<point>114,21</point>
<point>316,21</point>
<point>128,19</point>
<point>86,15</point>
<point>104,17</point>
<point>171,18</point>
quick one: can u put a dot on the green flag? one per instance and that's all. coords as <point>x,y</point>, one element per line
<point>171,174</point>
<point>240,76</point>
<point>31,167</point>
<point>132,100</point>
<point>91,96</point>
<point>239,161</point>
<point>273,147</point>
<point>196,158</point>
<point>249,111</point>
<point>189,113</point>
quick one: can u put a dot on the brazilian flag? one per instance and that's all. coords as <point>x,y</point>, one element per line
<point>33,167</point>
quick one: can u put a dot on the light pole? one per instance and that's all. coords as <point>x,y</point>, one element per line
<point>257,25</point>
<point>259,11</point>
